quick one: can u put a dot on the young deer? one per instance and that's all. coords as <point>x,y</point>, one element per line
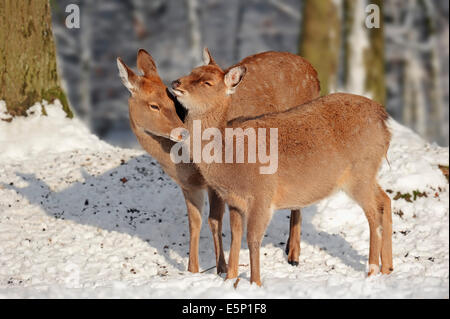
<point>336,142</point>
<point>153,115</point>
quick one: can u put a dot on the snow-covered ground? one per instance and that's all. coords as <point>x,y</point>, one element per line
<point>80,218</point>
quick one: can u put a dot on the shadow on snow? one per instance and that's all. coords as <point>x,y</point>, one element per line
<point>149,205</point>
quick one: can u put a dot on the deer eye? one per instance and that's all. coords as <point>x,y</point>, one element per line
<point>154,107</point>
<point>208,83</point>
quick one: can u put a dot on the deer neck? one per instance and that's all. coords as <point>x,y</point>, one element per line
<point>157,146</point>
<point>216,117</point>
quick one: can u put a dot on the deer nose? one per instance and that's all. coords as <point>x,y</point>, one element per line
<point>176,84</point>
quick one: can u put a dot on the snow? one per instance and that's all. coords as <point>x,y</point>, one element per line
<point>81,218</point>
<point>35,134</point>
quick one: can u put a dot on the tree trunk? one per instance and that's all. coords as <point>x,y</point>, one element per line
<point>86,67</point>
<point>437,107</point>
<point>320,40</point>
<point>334,32</point>
<point>28,71</point>
<point>194,33</point>
<point>374,61</point>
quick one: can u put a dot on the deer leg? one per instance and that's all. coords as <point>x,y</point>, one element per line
<point>384,205</point>
<point>293,244</point>
<point>216,210</point>
<point>257,222</point>
<point>375,240</point>
<point>365,194</point>
<point>236,238</point>
<point>194,203</point>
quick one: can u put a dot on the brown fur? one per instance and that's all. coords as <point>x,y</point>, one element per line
<point>332,143</point>
<point>152,129</point>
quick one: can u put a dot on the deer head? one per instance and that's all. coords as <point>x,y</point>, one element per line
<point>152,108</point>
<point>207,86</point>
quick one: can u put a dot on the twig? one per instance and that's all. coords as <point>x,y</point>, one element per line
<point>207,269</point>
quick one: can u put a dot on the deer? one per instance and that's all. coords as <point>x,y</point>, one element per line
<point>332,143</point>
<point>154,112</point>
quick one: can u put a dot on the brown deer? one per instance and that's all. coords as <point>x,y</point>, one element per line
<point>154,113</point>
<point>332,143</point>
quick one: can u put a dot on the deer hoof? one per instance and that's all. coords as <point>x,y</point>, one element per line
<point>222,269</point>
<point>386,270</point>
<point>373,270</point>
<point>293,262</point>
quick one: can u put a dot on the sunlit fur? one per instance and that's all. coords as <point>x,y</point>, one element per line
<point>152,129</point>
<point>332,143</point>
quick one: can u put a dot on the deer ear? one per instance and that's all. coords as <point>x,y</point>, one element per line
<point>234,77</point>
<point>129,79</point>
<point>145,63</point>
<point>207,58</point>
